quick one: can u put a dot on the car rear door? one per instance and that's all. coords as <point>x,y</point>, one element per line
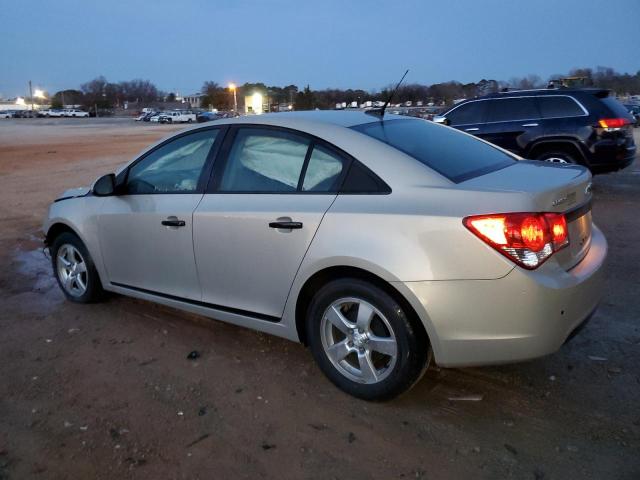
<point>145,231</point>
<point>270,191</point>
<point>512,123</point>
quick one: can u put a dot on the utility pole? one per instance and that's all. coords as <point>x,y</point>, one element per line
<point>31,95</point>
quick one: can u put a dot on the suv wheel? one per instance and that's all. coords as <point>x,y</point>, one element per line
<point>557,157</point>
<point>363,341</point>
<point>74,269</point>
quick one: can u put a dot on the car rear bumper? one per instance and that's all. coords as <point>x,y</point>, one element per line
<point>523,315</point>
<point>608,156</point>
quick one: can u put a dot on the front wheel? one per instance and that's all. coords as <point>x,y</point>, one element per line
<point>74,269</point>
<point>363,340</point>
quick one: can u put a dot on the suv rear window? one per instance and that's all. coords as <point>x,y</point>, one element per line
<point>451,153</point>
<point>554,107</point>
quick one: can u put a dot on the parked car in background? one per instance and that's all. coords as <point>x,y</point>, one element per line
<point>382,243</point>
<point>74,112</point>
<point>634,110</point>
<point>27,113</point>
<point>52,112</point>
<point>577,126</point>
<point>177,116</point>
<point>6,114</point>
<point>209,116</point>
<point>146,116</point>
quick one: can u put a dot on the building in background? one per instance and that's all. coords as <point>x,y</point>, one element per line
<point>195,100</point>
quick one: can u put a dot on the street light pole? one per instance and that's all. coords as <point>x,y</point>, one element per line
<point>232,87</point>
<point>31,95</point>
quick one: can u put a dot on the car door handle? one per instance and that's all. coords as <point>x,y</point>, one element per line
<point>173,223</point>
<point>530,125</point>
<point>471,129</point>
<point>286,225</point>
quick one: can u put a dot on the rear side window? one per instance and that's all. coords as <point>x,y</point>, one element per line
<point>451,153</point>
<point>263,161</point>
<point>616,107</point>
<point>472,112</point>
<point>512,109</point>
<point>323,171</point>
<point>554,107</point>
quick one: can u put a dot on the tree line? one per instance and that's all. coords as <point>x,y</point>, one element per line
<point>102,94</point>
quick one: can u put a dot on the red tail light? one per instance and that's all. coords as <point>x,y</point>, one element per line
<point>528,239</point>
<point>613,122</point>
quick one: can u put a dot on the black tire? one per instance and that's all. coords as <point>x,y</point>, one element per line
<point>94,291</point>
<point>413,348</point>
<point>561,156</point>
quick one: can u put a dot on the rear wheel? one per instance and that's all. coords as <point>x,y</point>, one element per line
<point>363,340</point>
<point>558,156</point>
<point>74,269</point>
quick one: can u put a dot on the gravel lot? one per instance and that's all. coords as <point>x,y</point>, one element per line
<point>106,391</point>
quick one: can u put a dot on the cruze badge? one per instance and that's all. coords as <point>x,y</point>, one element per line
<point>568,198</point>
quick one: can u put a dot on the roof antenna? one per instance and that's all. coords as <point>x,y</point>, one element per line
<point>386,104</point>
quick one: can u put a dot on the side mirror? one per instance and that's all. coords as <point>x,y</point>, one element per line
<point>441,119</point>
<point>105,185</point>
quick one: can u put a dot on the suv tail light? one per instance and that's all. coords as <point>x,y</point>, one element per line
<point>528,239</point>
<point>613,123</point>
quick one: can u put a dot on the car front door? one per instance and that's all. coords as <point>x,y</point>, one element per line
<point>512,123</point>
<point>145,231</point>
<point>468,117</point>
<point>253,227</point>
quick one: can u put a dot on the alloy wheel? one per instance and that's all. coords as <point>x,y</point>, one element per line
<point>358,340</point>
<point>556,160</point>
<point>72,270</point>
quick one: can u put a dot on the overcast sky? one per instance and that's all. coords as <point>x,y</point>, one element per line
<point>327,43</point>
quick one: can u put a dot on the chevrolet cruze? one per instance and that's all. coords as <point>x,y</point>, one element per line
<point>382,242</point>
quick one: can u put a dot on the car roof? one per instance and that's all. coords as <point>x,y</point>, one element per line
<point>338,118</point>
<point>545,91</point>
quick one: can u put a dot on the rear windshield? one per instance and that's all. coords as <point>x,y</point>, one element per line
<point>455,155</point>
<point>616,107</point>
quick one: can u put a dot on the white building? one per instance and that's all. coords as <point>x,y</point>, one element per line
<point>195,100</point>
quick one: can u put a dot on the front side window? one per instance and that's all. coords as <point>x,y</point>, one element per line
<point>175,167</point>
<point>472,112</point>
<point>451,153</point>
<point>264,161</point>
<point>512,109</point>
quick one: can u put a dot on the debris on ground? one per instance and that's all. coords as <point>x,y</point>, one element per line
<point>198,440</point>
<point>193,355</point>
<point>467,398</point>
<point>597,359</point>
<point>351,437</point>
<point>511,448</point>
<point>268,446</point>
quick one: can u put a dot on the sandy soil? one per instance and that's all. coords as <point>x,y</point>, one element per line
<point>106,391</point>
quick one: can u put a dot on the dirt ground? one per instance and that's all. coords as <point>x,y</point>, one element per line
<point>106,391</point>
